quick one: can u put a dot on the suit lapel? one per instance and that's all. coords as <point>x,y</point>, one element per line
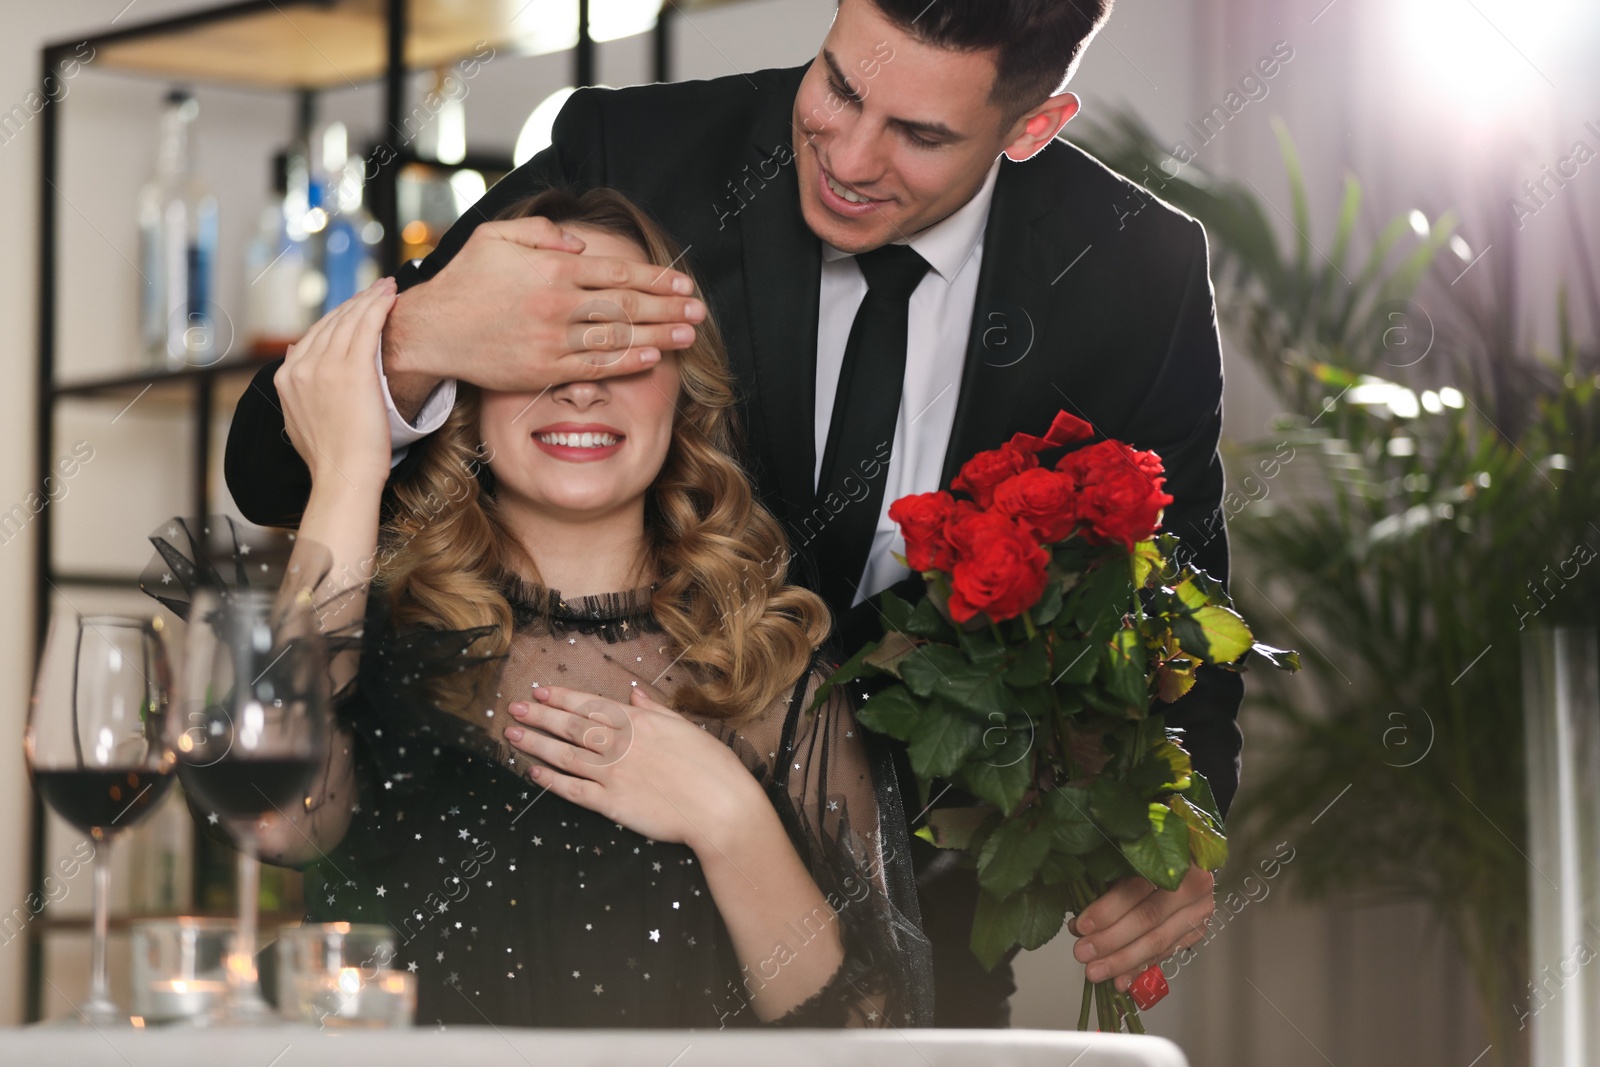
<point>1025,294</point>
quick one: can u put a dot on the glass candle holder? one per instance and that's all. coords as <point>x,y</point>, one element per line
<point>340,975</point>
<point>180,968</point>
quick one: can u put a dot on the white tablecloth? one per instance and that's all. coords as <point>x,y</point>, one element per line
<point>482,1046</point>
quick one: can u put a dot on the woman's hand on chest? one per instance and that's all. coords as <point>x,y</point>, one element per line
<point>642,765</point>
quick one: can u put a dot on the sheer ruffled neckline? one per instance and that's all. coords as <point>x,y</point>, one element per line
<point>610,614</point>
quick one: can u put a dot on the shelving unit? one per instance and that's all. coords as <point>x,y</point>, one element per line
<point>295,46</point>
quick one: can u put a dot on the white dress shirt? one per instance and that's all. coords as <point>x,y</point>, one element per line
<point>936,349</point>
<point>435,409</point>
<point>936,346</point>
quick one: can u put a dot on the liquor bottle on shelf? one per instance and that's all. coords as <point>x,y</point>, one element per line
<point>275,264</point>
<point>313,222</point>
<point>349,262</point>
<point>177,249</point>
<point>435,190</point>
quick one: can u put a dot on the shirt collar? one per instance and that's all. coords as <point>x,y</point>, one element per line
<point>948,243</point>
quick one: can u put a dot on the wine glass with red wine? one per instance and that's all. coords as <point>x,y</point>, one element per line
<point>95,749</point>
<point>251,734</point>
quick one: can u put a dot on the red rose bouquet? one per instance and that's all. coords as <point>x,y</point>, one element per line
<point>1055,618</point>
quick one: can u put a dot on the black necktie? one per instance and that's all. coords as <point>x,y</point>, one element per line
<point>861,431</point>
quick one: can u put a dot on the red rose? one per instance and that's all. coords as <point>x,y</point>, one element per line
<point>999,568</point>
<point>980,474</point>
<point>1042,501</point>
<point>970,530</point>
<point>1149,987</point>
<point>921,519</point>
<point>1119,491</point>
<point>1064,429</point>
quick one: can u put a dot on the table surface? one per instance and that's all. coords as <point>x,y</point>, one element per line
<point>483,1046</point>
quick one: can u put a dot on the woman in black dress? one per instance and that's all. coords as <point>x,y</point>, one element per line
<point>577,770</point>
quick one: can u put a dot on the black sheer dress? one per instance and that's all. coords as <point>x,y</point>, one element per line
<point>513,906</point>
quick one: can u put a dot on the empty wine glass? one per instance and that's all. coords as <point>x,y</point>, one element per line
<point>94,747</point>
<point>252,734</point>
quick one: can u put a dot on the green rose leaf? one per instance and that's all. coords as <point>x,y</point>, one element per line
<point>1192,638</point>
<point>1199,794</point>
<point>1197,588</point>
<point>1047,912</point>
<point>1120,811</point>
<point>886,654</point>
<point>1191,594</point>
<point>1174,678</point>
<point>996,926</point>
<point>947,672</point>
<point>931,666</point>
<point>1075,663</point>
<point>1071,828</point>
<point>891,711</point>
<point>1071,559</point>
<point>1178,759</point>
<point>1049,605</point>
<point>928,621</point>
<point>1208,847</point>
<point>1146,558</point>
<point>1059,867</point>
<point>980,645</point>
<point>896,612</point>
<point>1100,700</point>
<point>1149,776</point>
<point>1036,704</point>
<point>1227,636</point>
<point>955,827</point>
<point>1162,855</point>
<point>1107,864</point>
<point>1164,769</point>
<point>999,782</point>
<point>1010,857</point>
<point>1101,598</point>
<point>941,741</point>
<point>1125,668</point>
<point>851,669</point>
<point>1031,667</point>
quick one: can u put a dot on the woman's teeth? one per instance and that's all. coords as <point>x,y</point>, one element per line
<point>579,440</point>
<point>844,194</point>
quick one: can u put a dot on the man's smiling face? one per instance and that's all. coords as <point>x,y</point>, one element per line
<point>903,128</point>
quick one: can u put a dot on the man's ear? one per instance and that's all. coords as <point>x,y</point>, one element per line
<point>1039,126</point>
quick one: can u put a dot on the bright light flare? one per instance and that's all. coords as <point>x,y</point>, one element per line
<point>1487,55</point>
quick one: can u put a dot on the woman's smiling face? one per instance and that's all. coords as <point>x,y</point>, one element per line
<point>583,449</point>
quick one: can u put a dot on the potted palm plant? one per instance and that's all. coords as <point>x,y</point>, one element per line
<point>1449,486</point>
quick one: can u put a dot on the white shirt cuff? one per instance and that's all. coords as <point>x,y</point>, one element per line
<point>435,410</point>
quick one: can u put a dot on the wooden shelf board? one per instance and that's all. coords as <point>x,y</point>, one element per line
<point>300,45</point>
<point>330,44</point>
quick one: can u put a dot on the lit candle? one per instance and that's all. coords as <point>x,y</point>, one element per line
<point>181,999</point>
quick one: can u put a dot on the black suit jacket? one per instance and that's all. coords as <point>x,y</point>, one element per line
<point>1093,297</point>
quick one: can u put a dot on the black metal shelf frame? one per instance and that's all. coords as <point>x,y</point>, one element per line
<point>201,382</point>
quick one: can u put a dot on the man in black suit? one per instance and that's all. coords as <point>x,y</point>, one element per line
<point>1041,281</point>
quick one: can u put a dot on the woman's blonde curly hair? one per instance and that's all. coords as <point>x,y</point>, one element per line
<point>720,558</point>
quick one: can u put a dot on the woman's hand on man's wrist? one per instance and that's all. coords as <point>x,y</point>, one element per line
<point>333,408</point>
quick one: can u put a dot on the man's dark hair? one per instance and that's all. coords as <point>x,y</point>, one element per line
<point>1039,41</point>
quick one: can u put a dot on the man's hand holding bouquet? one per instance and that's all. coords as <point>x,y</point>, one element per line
<point>1031,675</point>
